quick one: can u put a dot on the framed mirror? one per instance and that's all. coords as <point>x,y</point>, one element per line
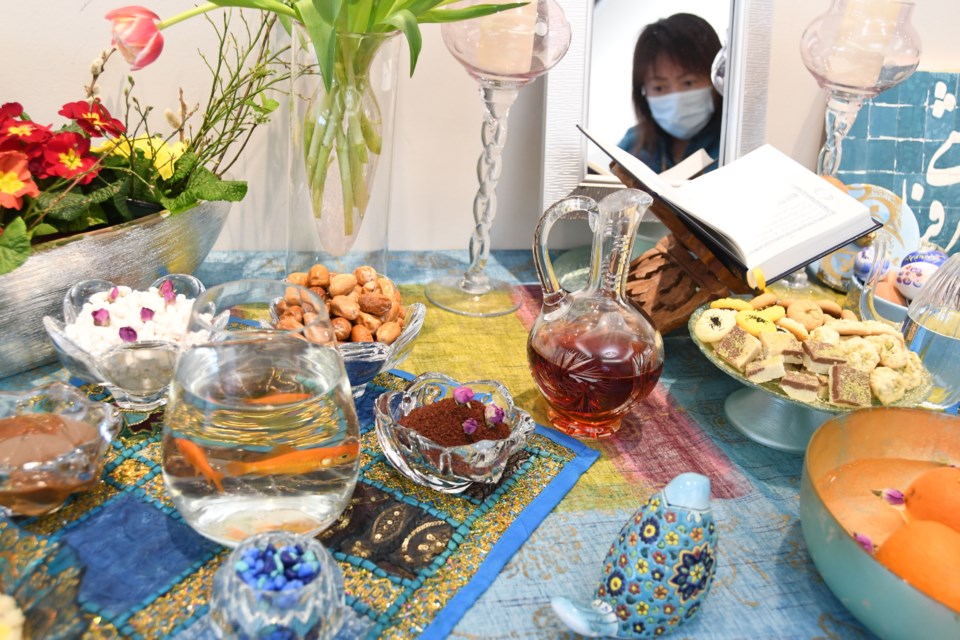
<point>567,92</point>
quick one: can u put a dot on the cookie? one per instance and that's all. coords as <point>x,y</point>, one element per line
<point>807,313</point>
<point>773,313</point>
<point>846,314</point>
<point>887,385</point>
<point>849,327</point>
<point>798,330</point>
<point>892,352</point>
<point>731,303</point>
<point>830,307</point>
<point>714,324</point>
<point>764,300</point>
<point>825,333</point>
<point>861,354</point>
<point>754,323</point>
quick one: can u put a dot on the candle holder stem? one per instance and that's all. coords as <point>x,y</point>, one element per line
<point>842,110</point>
<point>476,293</point>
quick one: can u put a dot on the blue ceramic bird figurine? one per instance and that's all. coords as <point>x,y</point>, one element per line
<point>658,570</point>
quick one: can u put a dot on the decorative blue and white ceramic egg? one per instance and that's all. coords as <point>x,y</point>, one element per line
<point>863,261</point>
<point>658,570</point>
<point>912,277</point>
<point>930,256</point>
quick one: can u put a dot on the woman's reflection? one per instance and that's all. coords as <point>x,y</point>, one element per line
<point>678,110</point>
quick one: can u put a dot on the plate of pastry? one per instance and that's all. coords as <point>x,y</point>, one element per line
<point>801,362</point>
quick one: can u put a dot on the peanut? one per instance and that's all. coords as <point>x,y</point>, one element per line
<point>292,296</point>
<point>341,328</point>
<point>318,276</point>
<point>298,278</point>
<point>342,284</point>
<point>365,274</point>
<point>374,303</point>
<point>370,322</point>
<point>360,333</point>
<point>344,307</point>
<point>388,332</point>
<point>288,323</point>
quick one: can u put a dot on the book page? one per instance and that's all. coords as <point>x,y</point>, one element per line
<point>769,203</point>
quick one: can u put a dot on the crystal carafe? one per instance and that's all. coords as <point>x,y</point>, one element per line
<point>593,354</point>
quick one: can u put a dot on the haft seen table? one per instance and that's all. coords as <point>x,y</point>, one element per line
<point>766,585</point>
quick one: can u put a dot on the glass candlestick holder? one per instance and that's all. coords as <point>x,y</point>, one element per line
<point>503,52</point>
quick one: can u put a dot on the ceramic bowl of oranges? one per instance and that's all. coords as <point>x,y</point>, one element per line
<point>880,513</point>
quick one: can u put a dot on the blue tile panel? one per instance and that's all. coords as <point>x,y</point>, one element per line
<point>908,141</point>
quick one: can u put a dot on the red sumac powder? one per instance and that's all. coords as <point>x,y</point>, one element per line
<point>442,422</point>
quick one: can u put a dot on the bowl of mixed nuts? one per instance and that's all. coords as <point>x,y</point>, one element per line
<point>375,330</point>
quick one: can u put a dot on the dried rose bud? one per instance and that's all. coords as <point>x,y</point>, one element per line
<point>864,541</point>
<point>470,426</point>
<point>101,317</point>
<point>893,497</point>
<point>128,334</point>
<point>167,292</point>
<point>463,395</point>
<point>493,414</point>
<point>113,295</point>
<point>146,314</point>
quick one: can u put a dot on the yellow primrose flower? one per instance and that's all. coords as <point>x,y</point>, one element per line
<point>164,155</point>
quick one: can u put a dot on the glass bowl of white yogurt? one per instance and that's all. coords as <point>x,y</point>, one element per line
<point>125,339</point>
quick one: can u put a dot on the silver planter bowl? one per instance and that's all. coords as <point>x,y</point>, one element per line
<point>134,254</point>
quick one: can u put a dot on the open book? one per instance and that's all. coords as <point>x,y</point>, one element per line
<point>763,215</point>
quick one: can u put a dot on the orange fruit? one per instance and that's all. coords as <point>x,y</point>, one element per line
<point>927,555</point>
<point>935,495</point>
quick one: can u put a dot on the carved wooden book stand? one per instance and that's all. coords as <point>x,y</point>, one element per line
<point>679,274</point>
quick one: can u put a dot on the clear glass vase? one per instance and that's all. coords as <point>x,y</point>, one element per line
<point>341,151</point>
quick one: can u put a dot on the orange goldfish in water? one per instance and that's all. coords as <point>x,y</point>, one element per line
<point>296,461</point>
<point>198,460</point>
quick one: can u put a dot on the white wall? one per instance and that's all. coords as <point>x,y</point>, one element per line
<point>47,47</point>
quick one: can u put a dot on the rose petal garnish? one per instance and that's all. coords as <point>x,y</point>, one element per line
<point>113,295</point>
<point>893,497</point>
<point>128,334</point>
<point>463,395</point>
<point>864,541</point>
<point>101,317</point>
<point>470,426</point>
<point>493,414</point>
<point>167,292</point>
<point>146,314</point>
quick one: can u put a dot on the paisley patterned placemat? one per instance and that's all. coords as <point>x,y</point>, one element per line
<point>414,560</point>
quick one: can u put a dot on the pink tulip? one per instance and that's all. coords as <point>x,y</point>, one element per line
<point>135,35</point>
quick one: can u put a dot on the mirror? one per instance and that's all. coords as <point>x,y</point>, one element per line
<point>567,96</point>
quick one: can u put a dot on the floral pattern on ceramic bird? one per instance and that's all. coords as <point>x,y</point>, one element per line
<point>658,570</point>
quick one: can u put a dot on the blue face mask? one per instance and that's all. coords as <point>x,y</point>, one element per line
<point>683,114</point>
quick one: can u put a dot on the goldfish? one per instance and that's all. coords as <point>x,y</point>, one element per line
<point>296,461</point>
<point>198,459</point>
<point>279,398</point>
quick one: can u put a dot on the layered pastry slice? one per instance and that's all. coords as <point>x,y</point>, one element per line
<point>779,343</point>
<point>818,357</point>
<point>738,347</point>
<point>800,386</point>
<point>849,387</point>
<point>765,369</point>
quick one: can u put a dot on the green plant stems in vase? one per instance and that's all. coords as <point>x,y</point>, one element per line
<point>341,152</point>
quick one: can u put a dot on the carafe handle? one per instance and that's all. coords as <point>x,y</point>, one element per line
<point>572,208</point>
<point>867,307</point>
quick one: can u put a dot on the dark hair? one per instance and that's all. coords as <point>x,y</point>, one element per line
<point>690,42</point>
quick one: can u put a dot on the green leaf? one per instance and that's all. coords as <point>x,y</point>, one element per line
<point>44,229</point>
<point>14,246</point>
<point>319,18</point>
<point>62,206</point>
<point>407,23</point>
<point>358,15</point>
<point>455,15</point>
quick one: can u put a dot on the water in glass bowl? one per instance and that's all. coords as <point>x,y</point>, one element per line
<point>260,435</point>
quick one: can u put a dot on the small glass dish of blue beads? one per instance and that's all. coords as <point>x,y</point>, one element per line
<point>278,585</point>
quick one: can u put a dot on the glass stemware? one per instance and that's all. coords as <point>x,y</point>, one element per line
<point>503,52</point>
<point>856,50</point>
